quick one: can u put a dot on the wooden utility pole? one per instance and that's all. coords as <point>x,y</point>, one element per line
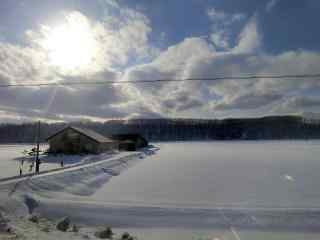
<point>37,151</point>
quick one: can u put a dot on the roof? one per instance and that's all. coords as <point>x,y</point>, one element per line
<point>131,136</point>
<point>127,141</point>
<point>86,132</point>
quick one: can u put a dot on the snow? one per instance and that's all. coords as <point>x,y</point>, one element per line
<point>268,174</point>
<point>8,165</point>
<point>81,176</point>
<point>18,195</point>
<point>207,190</point>
<point>12,155</point>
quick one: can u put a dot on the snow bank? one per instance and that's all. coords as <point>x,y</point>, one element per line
<point>82,181</point>
<point>21,198</point>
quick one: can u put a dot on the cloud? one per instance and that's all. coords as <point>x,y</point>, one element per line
<point>21,64</point>
<point>249,38</point>
<point>220,39</point>
<point>54,102</point>
<point>119,39</point>
<point>271,4</point>
<point>298,104</point>
<point>247,101</point>
<point>198,58</point>
<point>173,63</point>
<point>223,17</point>
<point>125,53</point>
<point>179,102</point>
<point>221,22</point>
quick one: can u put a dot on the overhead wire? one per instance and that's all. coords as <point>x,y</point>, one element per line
<point>153,81</point>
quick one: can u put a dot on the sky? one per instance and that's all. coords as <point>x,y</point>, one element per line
<point>125,40</point>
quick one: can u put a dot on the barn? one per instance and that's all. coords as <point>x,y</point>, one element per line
<point>75,140</point>
<point>130,142</point>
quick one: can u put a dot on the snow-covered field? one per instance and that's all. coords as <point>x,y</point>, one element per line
<point>9,163</point>
<point>11,157</point>
<point>265,174</point>
<point>88,173</point>
<point>195,190</point>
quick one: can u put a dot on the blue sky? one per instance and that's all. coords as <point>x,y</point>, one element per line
<point>42,40</point>
<point>289,25</point>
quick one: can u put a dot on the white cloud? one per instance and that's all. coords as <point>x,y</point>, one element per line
<point>223,17</point>
<point>22,64</point>
<point>173,63</point>
<point>251,100</point>
<point>214,14</point>
<point>120,38</point>
<point>271,4</point>
<point>110,43</point>
<point>196,58</point>
<point>220,39</point>
<point>221,22</point>
<point>125,51</point>
<point>183,53</point>
<point>113,3</point>
<point>298,104</point>
<point>249,38</point>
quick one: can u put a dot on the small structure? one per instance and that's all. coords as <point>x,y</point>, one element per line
<point>74,140</point>
<point>130,142</point>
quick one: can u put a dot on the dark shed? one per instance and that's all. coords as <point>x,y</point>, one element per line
<point>74,140</point>
<point>130,142</point>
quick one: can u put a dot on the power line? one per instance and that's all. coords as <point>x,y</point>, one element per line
<point>160,80</point>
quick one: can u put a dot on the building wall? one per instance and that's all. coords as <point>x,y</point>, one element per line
<point>70,141</point>
<point>127,146</point>
<point>108,146</point>
<point>141,142</point>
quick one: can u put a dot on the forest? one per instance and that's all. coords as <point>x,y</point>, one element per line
<point>264,128</point>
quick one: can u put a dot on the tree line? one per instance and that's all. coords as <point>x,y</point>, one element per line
<point>265,128</point>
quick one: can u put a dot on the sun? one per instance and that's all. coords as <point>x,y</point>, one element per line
<point>71,45</point>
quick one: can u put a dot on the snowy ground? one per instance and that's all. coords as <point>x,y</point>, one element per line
<point>216,190</point>
<point>83,178</point>
<point>262,174</point>
<point>8,165</point>
<point>11,157</point>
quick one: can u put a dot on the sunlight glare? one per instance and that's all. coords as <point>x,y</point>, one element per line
<point>71,45</point>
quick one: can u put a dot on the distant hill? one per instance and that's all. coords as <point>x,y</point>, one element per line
<point>311,117</point>
<point>271,127</point>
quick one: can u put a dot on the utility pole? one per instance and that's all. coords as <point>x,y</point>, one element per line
<point>37,151</point>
